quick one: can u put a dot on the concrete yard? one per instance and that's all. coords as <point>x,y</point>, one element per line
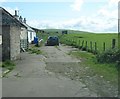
<point>34,76</point>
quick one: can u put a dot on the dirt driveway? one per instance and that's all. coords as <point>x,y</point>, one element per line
<point>52,75</point>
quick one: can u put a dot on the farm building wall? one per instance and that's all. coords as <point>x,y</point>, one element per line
<point>0,48</point>
<point>15,42</point>
<point>5,42</point>
<point>0,39</point>
<point>0,35</point>
<point>31,35</point>
<point>24,38</point>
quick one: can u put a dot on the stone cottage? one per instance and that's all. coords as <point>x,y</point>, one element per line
<point>0,36</point>
<point>26,36</point>
<point>23,34</point>
<point>31,33</point>
<point>11,30</point>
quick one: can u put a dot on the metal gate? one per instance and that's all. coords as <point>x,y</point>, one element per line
<point>24,44</point>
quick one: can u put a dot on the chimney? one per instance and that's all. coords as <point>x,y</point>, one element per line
<point>20,18</point>
<point>24,20</point>
<point>16,15</point>
<point>15,12</point>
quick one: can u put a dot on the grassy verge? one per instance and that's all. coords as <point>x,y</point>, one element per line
<point>8,66</point>
<point>108,71</point>
<point>35,51</point>
<point>57,47</point>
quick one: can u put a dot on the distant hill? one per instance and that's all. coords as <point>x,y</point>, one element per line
<point>60,31</point>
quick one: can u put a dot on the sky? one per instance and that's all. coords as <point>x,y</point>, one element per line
<point>99,16</point>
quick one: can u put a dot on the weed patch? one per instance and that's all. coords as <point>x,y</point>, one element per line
<point>107,70</point>
<point>10,65</point>
<point>34,51</point>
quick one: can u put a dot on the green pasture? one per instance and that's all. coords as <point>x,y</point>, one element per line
<point>100,39</point>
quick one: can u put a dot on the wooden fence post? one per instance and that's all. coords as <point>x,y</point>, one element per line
<point>82,43</point>
<point>72,41</point>
<point>95,47</point>
<point>113,43</point>
<point>75,42</point>
<point>91,45</point>
<point>79,42</point>
<point>104,46</point>
<point>86,45</point>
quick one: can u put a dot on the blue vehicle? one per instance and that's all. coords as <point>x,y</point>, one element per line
<point>52,40</point>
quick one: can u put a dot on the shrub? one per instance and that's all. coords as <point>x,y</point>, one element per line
<point>109,56</point>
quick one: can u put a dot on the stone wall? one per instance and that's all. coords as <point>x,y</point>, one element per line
<point>5,42</point>
<point>0,39</point>
<point>24,38</point>
<point>15,42</point>
<point>23,34</point>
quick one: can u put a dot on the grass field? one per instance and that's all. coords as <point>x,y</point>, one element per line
<point>100,39</point>
<point>76,38</point>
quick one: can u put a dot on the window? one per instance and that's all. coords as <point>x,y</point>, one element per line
<point>31,35</point>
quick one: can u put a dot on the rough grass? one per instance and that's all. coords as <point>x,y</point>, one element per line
<point>58,48</point>
<point>34,51</point>
<point>108,71</point>
<point>10,65</point>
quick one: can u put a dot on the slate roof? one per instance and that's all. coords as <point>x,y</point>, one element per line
<point>28,27</point>
<point>7,19</point>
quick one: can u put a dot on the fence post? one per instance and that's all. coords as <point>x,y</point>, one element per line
<point>104,46</point>
<point>95,47</point>
<point>86,45</point>
<point>82,43</point>
<point>73,42</point>
<point>76,43</point>
<point>113,43</point>
<point>91,45</point>
<point>79,42</point>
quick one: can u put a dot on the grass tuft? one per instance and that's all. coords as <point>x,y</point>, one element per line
<point>10,65</point>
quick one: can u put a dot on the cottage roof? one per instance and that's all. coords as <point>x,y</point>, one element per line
<point>28,27</point>
<point>35,29</point>
<point>13,19</point>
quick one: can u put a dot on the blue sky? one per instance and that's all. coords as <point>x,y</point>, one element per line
<point>86,15</point>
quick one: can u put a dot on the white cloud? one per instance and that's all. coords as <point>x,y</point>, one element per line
<point>113,2</point>
<point>2,1</point>
<point>92,24</point>
<point>108,13</point>
<point>77,5</point>
<point>105,20</point>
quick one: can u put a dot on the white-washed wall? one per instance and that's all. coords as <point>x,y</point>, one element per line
<point>31,36</point>
<point>0,39</point>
